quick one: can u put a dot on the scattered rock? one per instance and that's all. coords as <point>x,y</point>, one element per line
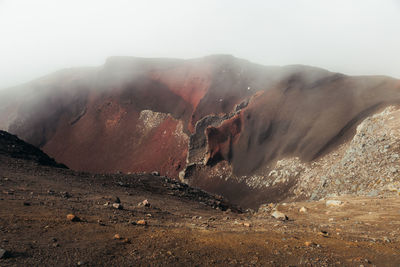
<point>309,244</point>
<point>211,219</point>
<point>279,215</point>
<point>120,183</point>
<point>51,192</point>
<point>141,222</point>
<point>323,233</point>
<point>247,224</point>
<point>9,192</point>
<point>3,253</point>
<point>334,203</point>
<point>65,194</point>
<point>117,236</point>
<point>144,203</point>
<point>303,210</point>
<point>117,206</point>
<point>73,218</point>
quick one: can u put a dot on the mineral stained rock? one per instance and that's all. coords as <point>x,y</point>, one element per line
<point>223,124</point>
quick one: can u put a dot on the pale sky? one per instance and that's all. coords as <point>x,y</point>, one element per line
<point>357,37</point>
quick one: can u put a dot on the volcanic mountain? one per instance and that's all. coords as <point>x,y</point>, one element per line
<point>53,216</point>
<point>218,123</point>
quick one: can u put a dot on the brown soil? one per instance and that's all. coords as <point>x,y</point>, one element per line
<point>183,228</point>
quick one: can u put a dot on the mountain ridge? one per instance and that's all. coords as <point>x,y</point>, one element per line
<point>198,120</point>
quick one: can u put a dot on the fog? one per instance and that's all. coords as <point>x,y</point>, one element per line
<point>357,37</point>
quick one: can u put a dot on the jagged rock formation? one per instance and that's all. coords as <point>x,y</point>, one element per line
<point>219,123</point>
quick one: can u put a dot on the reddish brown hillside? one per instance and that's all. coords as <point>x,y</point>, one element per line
<point>212,121</point>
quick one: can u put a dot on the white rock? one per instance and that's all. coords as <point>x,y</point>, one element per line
<point>117,206</point>
<point>303,210</point>
<point>279,215</point>
<point>333,203</point>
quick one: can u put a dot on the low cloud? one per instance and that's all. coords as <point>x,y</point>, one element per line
<point>354,37</point>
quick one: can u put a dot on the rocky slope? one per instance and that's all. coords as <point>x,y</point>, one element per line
<point>223,124</point>
<point>12,146</point>
<point>368,165</point>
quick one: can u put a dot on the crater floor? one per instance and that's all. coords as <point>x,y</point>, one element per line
<point>185,226</point>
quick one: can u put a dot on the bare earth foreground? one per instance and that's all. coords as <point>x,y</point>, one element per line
<point>185,226</point>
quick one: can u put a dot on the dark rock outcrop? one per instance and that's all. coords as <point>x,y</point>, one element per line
<point>12,146</point>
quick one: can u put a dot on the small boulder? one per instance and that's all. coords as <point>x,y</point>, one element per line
<point>144,203</point>
<point>141,222</point>
<point>117,206</point>
<point>73,218</point>
<point>65,194</point>
<point>117,236</point>
<point>323,233</point>
<point>3,253</point>
<point>303,210</point>
<point>309,244</point>
<point>279,215</point>
<point>334,203</point>
<point>155,173</point>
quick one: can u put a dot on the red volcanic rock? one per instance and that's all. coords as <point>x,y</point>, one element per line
<point>221,139</point>
<point>213,121</point>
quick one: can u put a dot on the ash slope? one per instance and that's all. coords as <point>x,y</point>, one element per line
<point>217,121</point>
<point>12,146</point>
<point>16,156</point>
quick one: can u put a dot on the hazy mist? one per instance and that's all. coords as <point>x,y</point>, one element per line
<point>351,36</point>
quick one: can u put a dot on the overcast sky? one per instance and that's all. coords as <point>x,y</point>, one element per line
<point>349,36</point>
